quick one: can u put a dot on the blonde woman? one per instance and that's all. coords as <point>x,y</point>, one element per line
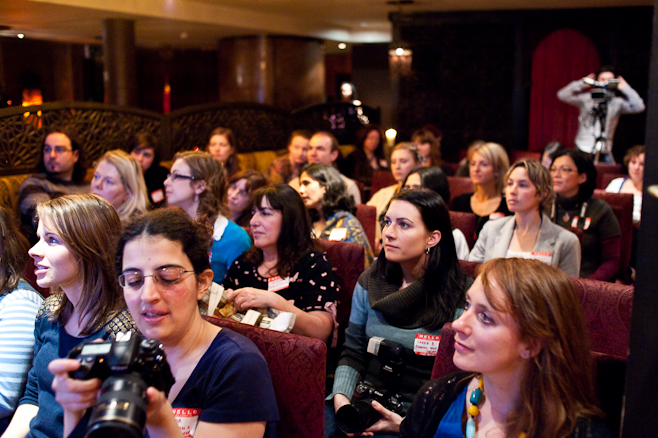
<point>118,179</point>
<point>487,163</point>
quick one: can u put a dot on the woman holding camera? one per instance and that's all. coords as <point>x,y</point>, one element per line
<point>405,297</point>
<point>522,343</point>
<point>73,258</point>
<point>284,270</point>
<point>223,386</point>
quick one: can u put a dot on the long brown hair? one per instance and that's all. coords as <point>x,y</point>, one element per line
<point>204,167</point>
<point>232,165</point>
<point>89,226</point>
<point>13,251</point>
<point>558,387</point>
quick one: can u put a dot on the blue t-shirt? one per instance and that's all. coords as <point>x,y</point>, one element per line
<point>234,241</point>
<point>230,384</point>
<point>451,423</point>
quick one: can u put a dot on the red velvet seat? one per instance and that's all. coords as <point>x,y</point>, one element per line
<point>520,155</point>
<point>297,365</point>
<point>466,223</point>
<point>381,179</point>
<point>622,205</point>
<point>367,215</point>
<point>603,179</point>
<point>459,185</point>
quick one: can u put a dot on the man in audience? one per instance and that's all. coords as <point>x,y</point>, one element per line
<point>605,96</point>
<point>323,149</point>
<point>288,167</point>
<point>61,171</point>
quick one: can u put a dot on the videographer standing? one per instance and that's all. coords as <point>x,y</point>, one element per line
<point>606,98</point>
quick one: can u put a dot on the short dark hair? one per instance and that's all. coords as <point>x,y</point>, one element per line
<point>444,280</point>
<point>13,247</point>
<point>146,140</point>
<point>174,224</point>
<point>80,167</point>
<point>605,68</point>
<point>335,195</point>
<point>295,238</point>
<point>304,133</point>
<point>432,178</point>
<point>584,164</point>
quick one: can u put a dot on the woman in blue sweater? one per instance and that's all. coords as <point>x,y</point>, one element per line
<point>405,297</point>
<point>73,258</point>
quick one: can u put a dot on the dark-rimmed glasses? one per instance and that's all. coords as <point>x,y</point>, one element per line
<point>174,176</point>
<point>165,276</point>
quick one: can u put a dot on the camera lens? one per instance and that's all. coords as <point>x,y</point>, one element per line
<point>357,417</point>
<point>121,409</point>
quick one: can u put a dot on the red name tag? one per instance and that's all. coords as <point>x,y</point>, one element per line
<point>277,283</point>
<point>426,345</point>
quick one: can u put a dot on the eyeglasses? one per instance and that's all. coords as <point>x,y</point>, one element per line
<point>174,176</point>
<point>47,150</point>
<point>165,276</point>
<point>562,170</point>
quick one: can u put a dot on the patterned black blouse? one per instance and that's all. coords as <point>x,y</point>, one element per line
<point>313,284</point>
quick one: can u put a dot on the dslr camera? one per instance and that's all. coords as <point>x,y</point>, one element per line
<point>604,91</point>
<point>360,415</point>
<point>126,368</point>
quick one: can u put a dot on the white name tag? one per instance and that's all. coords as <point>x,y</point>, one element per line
<point>157,196</point>
<point>426,345</point>
<point>338,234</point>
<point>187,420</point>
<point>544,257</point>
<point>496,215</point>
<point>277,283</point>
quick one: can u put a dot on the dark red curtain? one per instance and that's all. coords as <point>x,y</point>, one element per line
<point>563,56</point>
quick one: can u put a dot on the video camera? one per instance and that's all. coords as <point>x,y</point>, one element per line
<point>604,91</point>
<point>360,415</point>
<point>127,368</point>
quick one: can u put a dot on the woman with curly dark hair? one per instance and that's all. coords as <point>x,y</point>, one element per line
<point>284,270</point>
<point>331,208</point>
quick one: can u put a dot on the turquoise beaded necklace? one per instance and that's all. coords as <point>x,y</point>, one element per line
<point>473,411</point>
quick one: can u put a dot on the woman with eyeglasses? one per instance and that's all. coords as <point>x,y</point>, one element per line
<point>529,233</point>
<point>197,184</point>
<point>119,180</point>
<point>284,270</point>
<point>223,386</point>
<point>574,181</point>
<point>74,258</point>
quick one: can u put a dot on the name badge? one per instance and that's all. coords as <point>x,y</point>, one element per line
<point>277,283</point>
<point>187,420</point>
<point>574,222</point>
<point>496,215</point>
<point>338,234</point>
<point>588,222</point>
<point>157,196</point>
<point>544,257</point>
<point>426,345</point>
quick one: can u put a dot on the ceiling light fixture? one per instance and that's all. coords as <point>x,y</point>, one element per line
<point>342,46</point>
<point>20,36</point>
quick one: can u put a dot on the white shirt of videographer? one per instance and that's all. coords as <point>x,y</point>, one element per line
<point>624,101</point>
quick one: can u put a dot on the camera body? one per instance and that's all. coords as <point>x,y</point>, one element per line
<point>360,415</point>
<point>391,358</point>
<point>127,369</point>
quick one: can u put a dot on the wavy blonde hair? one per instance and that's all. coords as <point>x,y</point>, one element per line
<point>132,179</point>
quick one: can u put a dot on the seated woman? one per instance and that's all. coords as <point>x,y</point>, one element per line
<point>428,147</point>
<point>240,187</point>
<point>367,157</point>
<point>284,270</point>
<point>197,184</point>
<point>146,151</point>
<point>488,163</point>
<point>435,179</point>
<point>74,259</point>
<point>523,345</point>
<point>285,169</point>
<point>415,286</point>
<point>528,234</point>
<point>118,179</point>
<point>19,303</point>
<point>222,146</point>
<point>404,159</point>
<point>634,161</point>
<point>223,386</point>
<point>574,181</point>
<point>331,209</point>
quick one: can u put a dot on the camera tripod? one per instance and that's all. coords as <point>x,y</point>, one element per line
<point>600,113</point>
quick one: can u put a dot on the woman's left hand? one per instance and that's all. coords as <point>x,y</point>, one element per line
<point>75,396</point>
<point>389,423</point>
<point>251,298</point>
